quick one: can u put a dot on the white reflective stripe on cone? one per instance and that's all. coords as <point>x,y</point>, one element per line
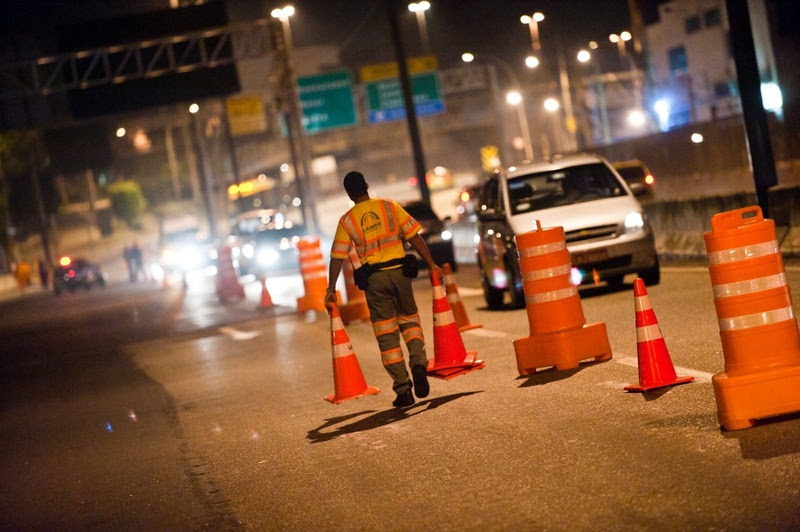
<point>544,249</point>
<point>342,350</point>
<point>443,318</point>
<point>438,292</point>
<point>642,303</point>
<point>726,256</point>
<point>305,253</point>
<point>751,285</point>
<point>453,298</point>
<point>648,333</point>
<point>555,295</point>
<point>546,273</point>
<point>449,281</point>
<point>314,264</point>
<point>315,275</point>
<point>754,320</point>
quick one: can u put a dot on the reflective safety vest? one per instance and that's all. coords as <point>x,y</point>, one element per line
<point>376,228</point>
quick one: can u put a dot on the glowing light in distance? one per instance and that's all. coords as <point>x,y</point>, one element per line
<point>538,17</point>
<point>467,57</point>
<point>233,190</point>
<point>661,108</point>
<point>771,96</point>
<point>531,61</point>
<point>637,118</point>
<point>525,19</point>
<point>65,261</point>
<point>625,36</point>
<point>649,179</point>
<point>415,7</point>
<point>697,138</point>
<point>584,56</point>
<point>194,108</point>
<point>296,202</point>
<point>613,38</point>
<point>514,98</point>
<point>121,132</point>
<point>593,45</point>
<point>575,276</point>
<point>551,105</point>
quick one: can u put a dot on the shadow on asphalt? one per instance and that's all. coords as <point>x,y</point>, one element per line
<point>546,376</point>
<point>377,419</point>
<point>769,438</point>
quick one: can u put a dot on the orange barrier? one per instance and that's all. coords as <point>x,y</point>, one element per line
<point>314,272</point>
<point>356,307</point>
<point>266,299</point>
<point>451,359</point>
<point>758,329</point>
<point>559,336</point>
<point>655,366</point>
<point>459,311</point>
<point>227,281</point>
<point>348,380</point>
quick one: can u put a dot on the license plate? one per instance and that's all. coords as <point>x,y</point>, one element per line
<point>589,257</point>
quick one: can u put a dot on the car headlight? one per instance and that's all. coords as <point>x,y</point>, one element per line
<point>446,235</point>
<point>634,223</point>
<point>267,257</point>
<point>191,259</point>
<point>248,251</point>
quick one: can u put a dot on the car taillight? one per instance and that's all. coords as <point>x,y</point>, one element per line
<point>71,273</point>
<point>649,179</point>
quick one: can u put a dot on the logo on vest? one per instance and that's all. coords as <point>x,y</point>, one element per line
<point>370,222</point>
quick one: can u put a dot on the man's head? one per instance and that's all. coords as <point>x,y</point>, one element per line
<point>355,185</point>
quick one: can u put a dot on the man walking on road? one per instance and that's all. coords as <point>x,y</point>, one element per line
<point>377,228</point>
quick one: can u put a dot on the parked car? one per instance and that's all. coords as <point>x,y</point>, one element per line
<point>435,233</point>
<point>72,274</point>
<point>607,232</point>
<point>266,240</point>
<point>635,171</point>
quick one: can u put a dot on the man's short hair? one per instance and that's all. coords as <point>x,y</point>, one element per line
<point>354,184</point>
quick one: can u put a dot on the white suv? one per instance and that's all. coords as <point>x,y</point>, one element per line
<point>606,230</point>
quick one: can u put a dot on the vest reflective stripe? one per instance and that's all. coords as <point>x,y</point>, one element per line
<point>389,215</point>
<point>411,318</point>
<point>441,319</point>
<point>546,273</point>
<point>648,333</point>
<point>350,226</point>
<point>342,350</point>
<point>641,303</point>
<point>752,285</point>
<point>726,256</point>
<point>388,240</point>
<point>412,333</point>
<point>555,295</point>
<point>340,248</point>
<point>544,249</point>
<point>754,320</point>
<point>392,356</point>
<point>384,327</point>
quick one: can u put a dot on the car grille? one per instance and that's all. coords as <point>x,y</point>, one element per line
<point>601,232</point>
<point>608,264</point>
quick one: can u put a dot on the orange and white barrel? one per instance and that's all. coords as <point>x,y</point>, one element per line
<point>314,271</point>
<point>758,328</point>
<point>559,335</point>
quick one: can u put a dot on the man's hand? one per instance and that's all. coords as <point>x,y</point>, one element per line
<point>330,301</point>
<point>438,272</point>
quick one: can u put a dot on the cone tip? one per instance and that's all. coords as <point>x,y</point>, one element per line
<point>639,288</point>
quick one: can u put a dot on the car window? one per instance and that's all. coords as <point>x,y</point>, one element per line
<point>631,172</point>
<point>489,196</point>
<point>566,186</point>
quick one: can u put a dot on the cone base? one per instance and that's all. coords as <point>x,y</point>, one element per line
<point>653,386</point>
<point>470,326</point>
<point>470,359</point>
<point>370,390</point>
<point>742,399</point>
<point>564,349</point>
<point>354,311</point>
<point>308,302</point>
<point>452,373</point>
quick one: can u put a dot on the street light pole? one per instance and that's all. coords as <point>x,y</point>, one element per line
<point>419,9</point>
<point>515,98</point>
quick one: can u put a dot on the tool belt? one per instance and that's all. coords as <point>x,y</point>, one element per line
<point>409,263</point>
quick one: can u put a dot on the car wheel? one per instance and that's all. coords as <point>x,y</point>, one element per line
<point>515,285</point>
<point>493,296</point>
<point>651,276</point>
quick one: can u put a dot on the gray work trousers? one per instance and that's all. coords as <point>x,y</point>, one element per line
<point>393,311</point>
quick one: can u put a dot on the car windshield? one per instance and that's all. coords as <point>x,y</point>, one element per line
<point>420,211</point>
<point>631,172</point>
<point>566,186</point>
<point>265,221</point>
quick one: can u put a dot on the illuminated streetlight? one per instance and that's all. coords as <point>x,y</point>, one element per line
<point>283,13</point>
<point>584,56</point>
<point>625,36</point>
<point>593,45</point>
<point>194,108</point>
<point>121,132</point>
<point>419,8</point>
<point>531,61</point>
<point>551,105</point>
<point>467,57</point>
<point>637,118</point>
<point>697,138</point>
<point>613,38</point>
<point>533,23</point>
<point>515,98</point>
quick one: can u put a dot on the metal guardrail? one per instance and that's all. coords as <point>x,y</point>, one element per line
<point>140,60</point>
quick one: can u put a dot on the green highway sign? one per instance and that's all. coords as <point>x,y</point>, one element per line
<point>327,101</point>
<point>384,97</point>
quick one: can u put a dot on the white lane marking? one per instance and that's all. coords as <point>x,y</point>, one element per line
<point>467,292</point>
<point>697,374</point>
<point>239,335</point>
<point>487,333</point>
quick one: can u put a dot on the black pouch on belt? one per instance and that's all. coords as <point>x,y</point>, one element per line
<point>410,267</point>
<point>361,276</point>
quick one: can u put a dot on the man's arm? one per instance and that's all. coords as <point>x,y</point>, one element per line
<point>421,247</point>
<point>334,268</point>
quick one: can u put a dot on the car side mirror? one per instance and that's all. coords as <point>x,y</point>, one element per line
<point>638,189</point>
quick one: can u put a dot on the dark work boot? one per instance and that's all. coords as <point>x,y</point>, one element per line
<point>421,387</point>
<point>404,399</point>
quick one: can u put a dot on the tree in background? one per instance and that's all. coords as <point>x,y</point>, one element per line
<point>127,201</point>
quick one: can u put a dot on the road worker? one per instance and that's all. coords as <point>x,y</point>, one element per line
<point>377,229</point>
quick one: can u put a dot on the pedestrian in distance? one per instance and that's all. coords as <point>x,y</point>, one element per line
<point>137,261</point>
<point>377,228</point>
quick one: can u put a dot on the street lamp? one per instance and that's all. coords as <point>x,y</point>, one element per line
<point>514,98</point>
<point>533,23</point>
<point>584,56</point>
<point>531,61</point>
<point>419,8</point>
<point>121,132</point>
<point>467,57</point>
<point>551,105</point>
<point>194,108</point>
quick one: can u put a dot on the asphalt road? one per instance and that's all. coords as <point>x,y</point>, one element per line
<point>142,408</point>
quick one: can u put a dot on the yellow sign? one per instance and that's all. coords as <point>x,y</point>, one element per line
<point>490,159</point>
<point>572,125</point>
<point>392,70</point>
<point>246,115</point>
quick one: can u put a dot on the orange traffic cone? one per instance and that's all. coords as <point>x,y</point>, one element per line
<point>356,307</point>
<point>459,311</point>
<point>348,380</point>
<point>266,300</point>
<point>227,281</point>
<point>655,366</point>
<point>450,357</point>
